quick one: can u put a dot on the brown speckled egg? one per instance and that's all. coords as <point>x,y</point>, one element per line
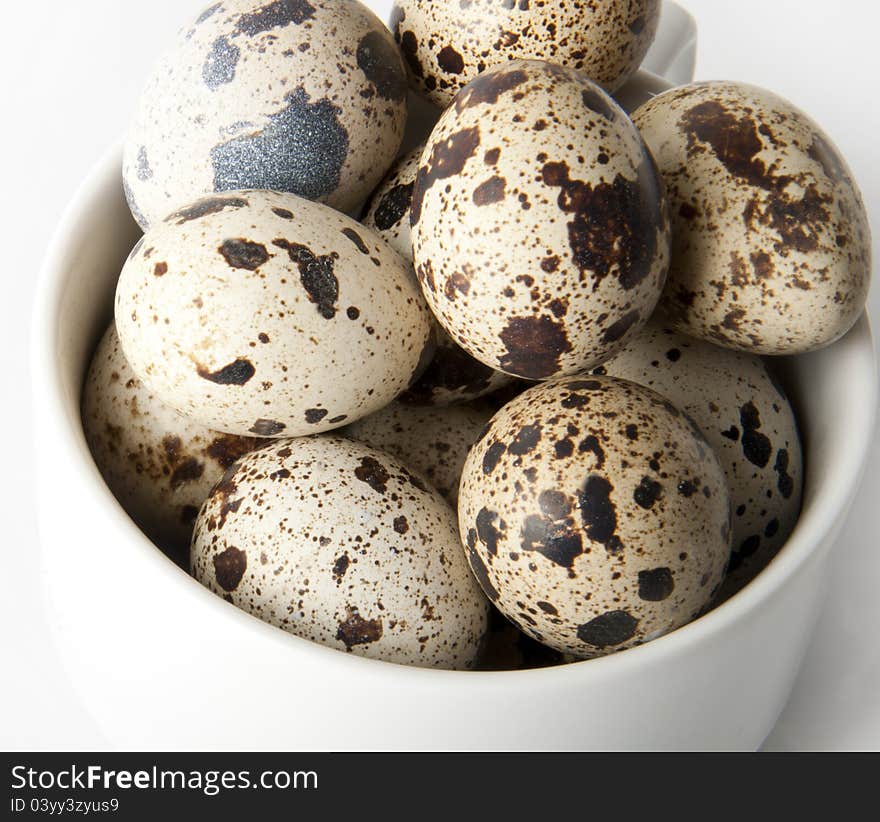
<point>772,248</point>
<point>595,515</point>
<point>433,441</point>
<point>261,313</point>
<point>453,375</point>
<point>340,544</point>
<point>447,44</point>
<point>746,418</point>
<point>159,465</point>
<point>306,97</point>
<point>539,225</point>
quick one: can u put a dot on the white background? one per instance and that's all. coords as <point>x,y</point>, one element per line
<point>70,75</point>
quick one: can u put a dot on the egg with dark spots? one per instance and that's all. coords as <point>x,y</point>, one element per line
<point>539,224</point>
<point>772,245</point>
<point>453,376</point>
<point>159,465</point>
<point>274,316</point>
<point>343,545</point>
<point>433,441</point>
<point>446,45</point>
<point>592,548</point>
<point>303,96</point>
<point>746,418</point>
<point>387,212</point>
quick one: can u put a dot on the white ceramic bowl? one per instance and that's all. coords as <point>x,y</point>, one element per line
<point>162,664</point>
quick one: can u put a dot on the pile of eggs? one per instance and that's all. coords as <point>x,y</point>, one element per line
<point>494,402</point>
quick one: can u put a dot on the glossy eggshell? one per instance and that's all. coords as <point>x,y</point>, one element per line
<point>448,44</point>
<point>539,225</point>
<point>453,375</point>
<point>341,544</point>
<point>772,247</point>
<point>262,313</point>
<point>306,97</point>
<point>159,465</point>
<point>746,418</point>
<point>595,515</point>
<point>433,441</point>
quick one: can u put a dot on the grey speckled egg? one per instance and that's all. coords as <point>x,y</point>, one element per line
<point>539,225</point>
<point>262,313</point>
<point>159,465</point>
<point>772,248</point>
<point>447,44</point>
<point>594,515</point>
<point>340,544</point>
<point>307,97</point>
<point>745,417</point>
<point>433,441</point>
<point>453,375</point>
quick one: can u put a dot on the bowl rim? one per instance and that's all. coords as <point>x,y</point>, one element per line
<point>809,538</point>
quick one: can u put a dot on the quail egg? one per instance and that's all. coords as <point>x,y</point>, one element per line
<point>595,515</point>
<point>772,247</point>
<point>448,44</point>
<point>261,313</point>
<point>159,465</point>
<point>746,417</point>
<point>306,97</point>
<point>340,544</point>
<point>539,225</point>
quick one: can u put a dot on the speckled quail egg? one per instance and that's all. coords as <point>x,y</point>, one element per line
<point>772,248</point>
<point>453,375</point>
<point>388,210</point>
<point>746,418</point>
<point>306,97</point>
<point>539,225</point>
<point>341,544</point>
<point>448,44</point>
<point>433,441</point>
<point>159,465</point>
<point>595,515</point>
<point>262,313</point>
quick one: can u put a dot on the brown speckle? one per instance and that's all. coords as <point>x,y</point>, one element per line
<point>315,415</point>
<point>240,253</point>
<point>534,346</point>
<point>489,192</point>
<point>229,568</point>
<point>356,630</point>
<point>373,473</point>
<point>267,428</point>
<point>236,373</point>
<point>608,629</point>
